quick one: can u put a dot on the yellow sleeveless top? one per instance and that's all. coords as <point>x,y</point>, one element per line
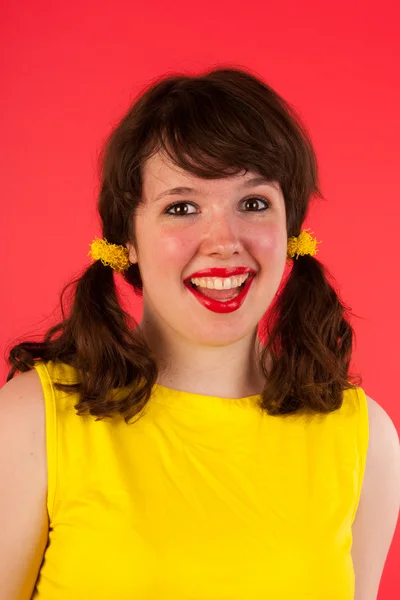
<point>203,498</point>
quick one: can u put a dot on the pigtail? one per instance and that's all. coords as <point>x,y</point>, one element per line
<point>309,343</point>
<point>97,341</point>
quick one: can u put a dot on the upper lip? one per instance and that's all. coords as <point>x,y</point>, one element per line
<point>221,272</point>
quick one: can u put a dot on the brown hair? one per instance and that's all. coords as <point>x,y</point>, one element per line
<point>212,125</point>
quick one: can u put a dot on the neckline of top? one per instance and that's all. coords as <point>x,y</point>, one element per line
<point>188,400</point>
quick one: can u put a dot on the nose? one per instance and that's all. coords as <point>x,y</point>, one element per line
<point>222,237</point>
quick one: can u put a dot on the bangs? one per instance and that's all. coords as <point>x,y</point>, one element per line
<point>210,134</point>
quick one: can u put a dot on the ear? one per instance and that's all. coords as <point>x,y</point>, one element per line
<point>132,253</point>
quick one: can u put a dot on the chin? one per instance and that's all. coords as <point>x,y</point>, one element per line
<point>224,336</point>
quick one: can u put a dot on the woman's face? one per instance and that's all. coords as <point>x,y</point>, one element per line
<point>218,223</point>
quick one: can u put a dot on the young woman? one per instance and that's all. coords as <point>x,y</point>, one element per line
<point>217,449</point>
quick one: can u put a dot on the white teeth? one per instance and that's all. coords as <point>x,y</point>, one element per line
<point>227,284</point>
<point>220,283</point>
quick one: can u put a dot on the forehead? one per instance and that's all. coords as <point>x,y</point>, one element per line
<point>159,168</point>
<point>161,173</point>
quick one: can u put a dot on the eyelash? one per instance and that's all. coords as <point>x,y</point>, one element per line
<point>267,202</point>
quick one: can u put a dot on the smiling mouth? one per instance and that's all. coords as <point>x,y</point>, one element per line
<point>221,301</point>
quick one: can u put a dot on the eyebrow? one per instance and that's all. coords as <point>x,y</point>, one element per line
<point>253,182</point>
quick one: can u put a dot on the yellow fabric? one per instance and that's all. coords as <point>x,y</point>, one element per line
<point>204,498</point>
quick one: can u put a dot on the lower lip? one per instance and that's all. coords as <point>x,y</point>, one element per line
<point>223,307</point>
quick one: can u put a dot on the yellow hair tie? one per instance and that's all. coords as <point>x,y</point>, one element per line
<point>116,256</point>
<point>301,245</point>
<point>110,255</point>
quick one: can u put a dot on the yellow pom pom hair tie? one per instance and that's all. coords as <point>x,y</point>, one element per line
<point>301,245</point>
<point>111,255</point>
<point>116,256</point>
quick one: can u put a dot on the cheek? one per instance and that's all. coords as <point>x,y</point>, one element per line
<point>170,252</point>
<point>271,244</point>
<point>177,247</point>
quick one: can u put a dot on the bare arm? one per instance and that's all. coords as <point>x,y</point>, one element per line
<point>378,511</point>
<point>23,485</point>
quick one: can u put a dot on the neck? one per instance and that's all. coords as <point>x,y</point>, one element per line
<point>229,371</point>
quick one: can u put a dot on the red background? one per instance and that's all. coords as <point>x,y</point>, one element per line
<point>71,70</point>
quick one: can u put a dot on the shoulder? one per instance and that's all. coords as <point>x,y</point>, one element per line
<point>22,416</point>
<point>378,509</point>
<point>22,396</point>
<point>383,446</point>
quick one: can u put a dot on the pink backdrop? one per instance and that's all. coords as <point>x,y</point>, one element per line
<point>70,71</point>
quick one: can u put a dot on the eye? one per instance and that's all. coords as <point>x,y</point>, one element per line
<point>253,199</point>
<point>182,212</point>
